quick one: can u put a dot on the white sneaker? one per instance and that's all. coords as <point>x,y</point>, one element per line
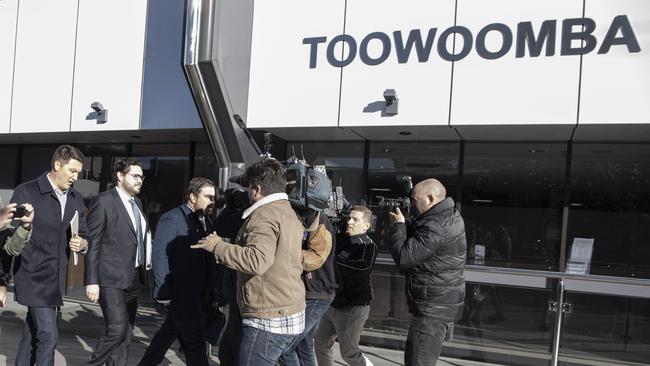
<point>368,362</point>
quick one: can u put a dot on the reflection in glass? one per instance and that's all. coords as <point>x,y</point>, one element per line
<point>607,329</point>
<point>205,165</point>
<point>500,324</point>
<point>8,162</point>
<point>391,161</point>
<point>37,159</point>
<point>166,167</point>
<point>610,202</point>
<point>511,203</point>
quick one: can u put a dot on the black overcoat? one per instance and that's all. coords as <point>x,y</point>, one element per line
<point>41,269</point>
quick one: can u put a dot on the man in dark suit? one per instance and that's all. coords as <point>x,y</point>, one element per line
<point>183,275</point>
<point>41,268</point>
<point>116,260</point>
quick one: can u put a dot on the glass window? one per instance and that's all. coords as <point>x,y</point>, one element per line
<point>610,203</point>
<point>98,167</point>
<point>8,178</point>
<point>166,169</point>
<point>8,162</point>
<point>37,159</point>
<point>511,203</point>
<point>390,162</point>
<point>205,165</point>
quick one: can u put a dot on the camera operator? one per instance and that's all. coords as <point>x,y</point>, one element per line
<point>355,257</point>
<point>431,252</point>
<point>13,239</point>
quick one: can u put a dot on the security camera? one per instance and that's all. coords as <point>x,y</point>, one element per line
<point>390,96</point>
<point>97,107</point>
<point>391,102</point>
<point>102,113</point>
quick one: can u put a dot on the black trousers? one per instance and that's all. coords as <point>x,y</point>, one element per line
<point>186,322</point>
<point>118,307</point>
<point>424,341</point>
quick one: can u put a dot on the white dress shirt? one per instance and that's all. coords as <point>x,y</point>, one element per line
<point>125,197</point>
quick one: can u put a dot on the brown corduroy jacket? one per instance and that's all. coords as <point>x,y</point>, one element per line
<point>268,260</point>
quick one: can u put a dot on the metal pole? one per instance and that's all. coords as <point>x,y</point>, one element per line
<point>558,323</point>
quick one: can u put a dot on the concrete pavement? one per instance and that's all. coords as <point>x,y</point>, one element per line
<point>81,323</point>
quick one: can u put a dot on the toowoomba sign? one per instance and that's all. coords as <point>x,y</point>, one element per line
<point>576,38</point>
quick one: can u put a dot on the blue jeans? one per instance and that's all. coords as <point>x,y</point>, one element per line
<point>301,351</point>
<point>40,337</point>
<point>260,348</point>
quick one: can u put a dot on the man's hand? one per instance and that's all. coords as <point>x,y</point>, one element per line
<point>92,291</point>
<point>77,243</point>
<point>7,213</point>
<point>208,243</point>
<point>26,221</point>
<point>396,217</point>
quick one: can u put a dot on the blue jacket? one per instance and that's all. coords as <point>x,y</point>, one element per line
<point>41,269</point>
<point>182,274</point>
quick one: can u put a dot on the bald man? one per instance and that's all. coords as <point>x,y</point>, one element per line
<point>431,252</point>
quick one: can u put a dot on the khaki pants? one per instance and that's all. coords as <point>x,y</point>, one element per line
<point>346,324</point>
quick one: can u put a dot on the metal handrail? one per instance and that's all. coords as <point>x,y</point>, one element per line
<point>383,259</point>
<point>566,282</point>
<point>558,323</point>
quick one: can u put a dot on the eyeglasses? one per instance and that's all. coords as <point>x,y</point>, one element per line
<point>136,176</point>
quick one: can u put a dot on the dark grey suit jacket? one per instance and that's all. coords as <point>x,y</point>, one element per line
<point>110,260</point>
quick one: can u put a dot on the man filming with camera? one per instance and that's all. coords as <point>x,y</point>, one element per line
<point>431,251</point>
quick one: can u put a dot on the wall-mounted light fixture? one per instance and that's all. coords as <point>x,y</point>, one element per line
<point>100,111</point>
<point>390,96</point>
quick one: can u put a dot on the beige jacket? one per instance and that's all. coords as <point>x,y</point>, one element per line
<point>268,260</point>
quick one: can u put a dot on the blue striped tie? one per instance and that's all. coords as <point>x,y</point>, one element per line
<point>138,231</point>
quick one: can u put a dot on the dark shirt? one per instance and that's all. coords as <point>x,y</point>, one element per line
<point>355,258</point>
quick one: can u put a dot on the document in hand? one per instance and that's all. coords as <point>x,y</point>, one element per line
<point>74,230</point>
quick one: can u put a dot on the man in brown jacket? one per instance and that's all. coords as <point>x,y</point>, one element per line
<point>268,261</point>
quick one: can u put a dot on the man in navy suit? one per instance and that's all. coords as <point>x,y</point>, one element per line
<point>184,277</point>
<point>116,260</point>
<point>41,268</point>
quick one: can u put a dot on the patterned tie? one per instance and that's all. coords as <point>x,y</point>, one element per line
<point>138,232</point>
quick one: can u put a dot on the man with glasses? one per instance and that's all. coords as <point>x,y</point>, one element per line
<point>184,278</point>
<point>116,260</point>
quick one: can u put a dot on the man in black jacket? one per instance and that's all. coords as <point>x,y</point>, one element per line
<point>41,268</point>
<point>184,276</point>
<point>431,252</point>
<point>355,257</point>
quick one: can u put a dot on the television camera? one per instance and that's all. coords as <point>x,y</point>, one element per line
<point>403,203</point>
<point>307,185</point>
